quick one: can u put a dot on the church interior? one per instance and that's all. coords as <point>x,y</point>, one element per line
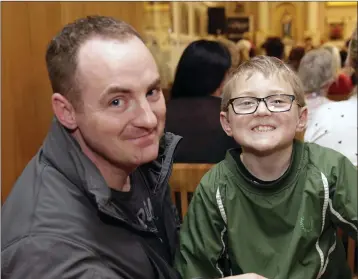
<point>167,28</point>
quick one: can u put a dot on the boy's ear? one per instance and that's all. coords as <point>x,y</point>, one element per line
<point>225,123</point>
<point>302,122</point>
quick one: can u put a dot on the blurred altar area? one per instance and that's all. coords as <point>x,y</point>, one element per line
<point>170,26</point>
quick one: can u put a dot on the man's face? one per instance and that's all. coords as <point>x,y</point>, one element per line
<point>123,113</point>
<point>263,131</point>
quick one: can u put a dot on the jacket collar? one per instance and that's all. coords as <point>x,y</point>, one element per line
<point>286,180</point>
<point>63,152</point>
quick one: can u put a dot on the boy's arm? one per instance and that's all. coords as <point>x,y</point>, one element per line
<point>201,237</point>
<point>343,206</point>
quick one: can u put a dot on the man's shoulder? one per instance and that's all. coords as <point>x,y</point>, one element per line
<point>40,197</point>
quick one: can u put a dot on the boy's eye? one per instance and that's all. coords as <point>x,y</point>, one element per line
<point>246,103</point>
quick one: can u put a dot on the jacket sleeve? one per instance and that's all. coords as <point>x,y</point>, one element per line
<point>51,258</point>
<point>343,205</point>
<point>201,237</point>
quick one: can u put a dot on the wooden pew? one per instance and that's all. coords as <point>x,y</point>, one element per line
<point>184,180</point>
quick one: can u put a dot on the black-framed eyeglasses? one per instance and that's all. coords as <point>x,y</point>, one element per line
<point>274,103</point>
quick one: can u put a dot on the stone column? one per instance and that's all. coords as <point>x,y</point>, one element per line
<point>156,16</point>
<point>263,22</point>
<point>191,19</point>
<point>263,17</point>
<point>312,22</point>
<point>176,16</point>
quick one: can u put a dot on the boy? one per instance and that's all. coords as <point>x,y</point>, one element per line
<point>273,206</point>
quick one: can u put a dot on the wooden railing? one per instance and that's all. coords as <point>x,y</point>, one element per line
<point>184,180</point>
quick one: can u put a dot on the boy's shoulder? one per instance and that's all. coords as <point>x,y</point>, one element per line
<point>320,154</point>
<point>217,175</point>
<point>220,175</point>
<point>323,158</point>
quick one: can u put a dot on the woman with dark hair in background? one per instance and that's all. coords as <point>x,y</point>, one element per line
<point>194,109</point>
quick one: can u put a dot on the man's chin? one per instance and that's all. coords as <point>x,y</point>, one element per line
<point>147,154</point>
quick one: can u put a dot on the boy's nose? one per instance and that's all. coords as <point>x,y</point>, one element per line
<point>262,109</point>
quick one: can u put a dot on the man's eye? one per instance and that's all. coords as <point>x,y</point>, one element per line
<point>150,93</point>
<point>116,102</point>
<point>153,92</point>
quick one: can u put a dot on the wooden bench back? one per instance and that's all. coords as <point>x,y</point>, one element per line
<point>184,180</point>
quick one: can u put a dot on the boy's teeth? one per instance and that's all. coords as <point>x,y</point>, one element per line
<point>263,128</point>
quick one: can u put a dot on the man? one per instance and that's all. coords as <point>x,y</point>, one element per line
<point>94,202</point>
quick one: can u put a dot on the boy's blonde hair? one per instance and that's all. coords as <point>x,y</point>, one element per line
<point>268,66</point>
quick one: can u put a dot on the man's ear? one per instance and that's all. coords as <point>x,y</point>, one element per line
<point>302,122</point>
<point>225,123</point>
<point>64,111</point>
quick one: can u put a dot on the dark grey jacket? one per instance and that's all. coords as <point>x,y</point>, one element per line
<point>59,220</point>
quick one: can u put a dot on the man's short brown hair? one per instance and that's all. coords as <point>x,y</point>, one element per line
<point>62,51</point>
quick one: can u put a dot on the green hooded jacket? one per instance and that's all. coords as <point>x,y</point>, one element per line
<point>285,229</point>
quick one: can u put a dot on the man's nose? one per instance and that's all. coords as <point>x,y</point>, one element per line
<point>145,117</point>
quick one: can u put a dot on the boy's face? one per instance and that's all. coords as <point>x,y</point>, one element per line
<point>263,132</point>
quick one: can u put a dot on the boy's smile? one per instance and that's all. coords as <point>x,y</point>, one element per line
<point>263,128</point>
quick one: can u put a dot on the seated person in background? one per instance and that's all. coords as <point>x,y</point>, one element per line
<point>194,109</point>
<point>342,84</point>
<point>308,42</point>
<point>343,53</point>
<point>233,50</point>
<point>295,57</point>
<point>272,207</point>
<point>317,72</point>
<point>335,124</point>
<point>274,46</point>
<point>246,47</point>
